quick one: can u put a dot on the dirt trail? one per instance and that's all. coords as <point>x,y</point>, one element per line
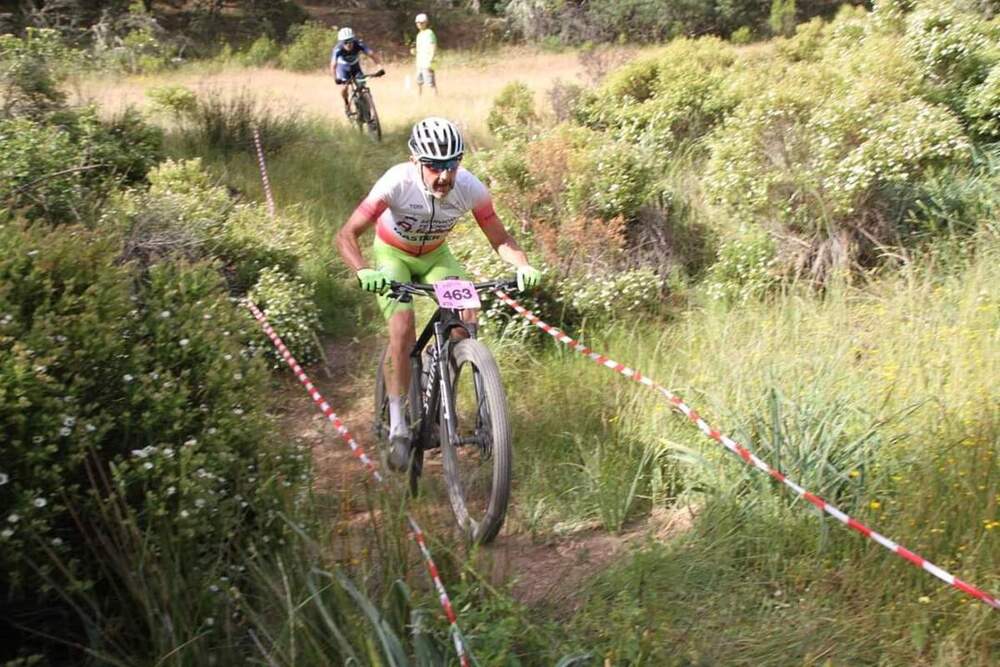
<point>541,569</point>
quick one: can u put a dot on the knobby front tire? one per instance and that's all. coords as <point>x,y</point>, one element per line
<point>362,111</point>
<point>372,123</point>
<point>477,466</point>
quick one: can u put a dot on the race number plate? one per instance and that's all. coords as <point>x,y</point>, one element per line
<point>456,294</point>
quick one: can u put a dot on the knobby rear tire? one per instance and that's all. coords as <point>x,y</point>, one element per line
<point>478,475</point>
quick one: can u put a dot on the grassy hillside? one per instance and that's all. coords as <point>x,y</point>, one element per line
<point>800,243</point>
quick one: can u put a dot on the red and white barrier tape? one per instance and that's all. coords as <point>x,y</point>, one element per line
<point>748,457</point>
<point>263,172</point>
<point>449,612</point>
<point>359,452</point>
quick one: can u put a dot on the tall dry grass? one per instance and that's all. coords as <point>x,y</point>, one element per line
<point>466,87</point>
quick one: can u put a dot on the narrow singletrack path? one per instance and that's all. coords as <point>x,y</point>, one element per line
<point>540,569</point>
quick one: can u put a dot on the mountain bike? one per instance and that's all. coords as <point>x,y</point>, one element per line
<point>456,402</point>
<point>362,106</point>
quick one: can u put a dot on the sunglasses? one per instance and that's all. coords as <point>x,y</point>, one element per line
<point>441,165</point>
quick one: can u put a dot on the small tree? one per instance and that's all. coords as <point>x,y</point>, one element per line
<point>782,19</point>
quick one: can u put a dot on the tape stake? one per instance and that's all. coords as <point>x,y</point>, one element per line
<point>263,173</point>
<point>751,459</point>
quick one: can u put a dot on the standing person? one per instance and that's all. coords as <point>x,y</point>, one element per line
<point>344,61</point>
<point>413,206</point>
<point>425,48</point>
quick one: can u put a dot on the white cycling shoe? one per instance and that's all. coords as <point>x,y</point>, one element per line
<point>399,452</point>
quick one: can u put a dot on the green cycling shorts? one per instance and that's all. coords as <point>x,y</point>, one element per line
<point>404,267</point>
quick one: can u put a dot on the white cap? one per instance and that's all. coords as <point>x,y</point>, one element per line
<point>421,18</point>
<point>345,34</point>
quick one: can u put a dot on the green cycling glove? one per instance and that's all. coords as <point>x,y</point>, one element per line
<point>527,276</point>
<point>372,280</point>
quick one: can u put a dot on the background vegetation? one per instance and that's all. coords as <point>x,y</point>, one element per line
<point>799,236</point>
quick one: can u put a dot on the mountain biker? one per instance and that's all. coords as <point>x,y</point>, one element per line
<point>424,49</point>
<point>344,61</point>
<point>413,207</point>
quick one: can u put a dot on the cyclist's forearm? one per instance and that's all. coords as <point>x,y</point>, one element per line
<point>511,252</point>
<point>350,251</point>
<point>347,240</point>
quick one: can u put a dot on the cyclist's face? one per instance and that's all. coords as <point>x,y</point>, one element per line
<point>439,177</point>
<point>349,45</point>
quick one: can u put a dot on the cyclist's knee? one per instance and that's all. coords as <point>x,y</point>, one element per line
<point>402,331</point>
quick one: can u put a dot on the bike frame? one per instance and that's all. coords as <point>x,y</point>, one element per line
<point>359,83</point>
<point>438,333</point>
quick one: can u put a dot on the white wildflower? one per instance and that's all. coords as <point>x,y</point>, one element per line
<point>39,502</point>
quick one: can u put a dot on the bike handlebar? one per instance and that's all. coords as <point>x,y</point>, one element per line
<point>398,289</point>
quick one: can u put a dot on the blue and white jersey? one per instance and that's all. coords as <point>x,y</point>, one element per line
<point>341,56</point>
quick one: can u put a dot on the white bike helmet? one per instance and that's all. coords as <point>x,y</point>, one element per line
<point>345,34</point>
<point>436,139</point>
<point>421,18</point>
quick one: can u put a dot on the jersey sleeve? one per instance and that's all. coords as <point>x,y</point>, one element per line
<point>381,195</point>
<point>364,47</point>
<point>480,201</point>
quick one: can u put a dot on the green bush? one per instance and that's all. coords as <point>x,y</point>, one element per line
<point>59,172</point>
<point>125,145</point>
<point>742,36</point>
<point>746,268</point>
<point>143,394</point>
<point>174,99</point>
<point>982,106</point>
<point>252,241</point>
<point>262,52</point>
<point>287,302</point>
<point>674,95</point>
<point>31,69</point>
<point>807,42</point>
<point>184,213</point>
<point>782,17</point>
<point>613,182</point>
<point>310,48</point>
<point>953,49</point>
<point>513,112</point>
<point>823,169</point>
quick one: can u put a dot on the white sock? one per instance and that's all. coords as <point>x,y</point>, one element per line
<point>397,418</point>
